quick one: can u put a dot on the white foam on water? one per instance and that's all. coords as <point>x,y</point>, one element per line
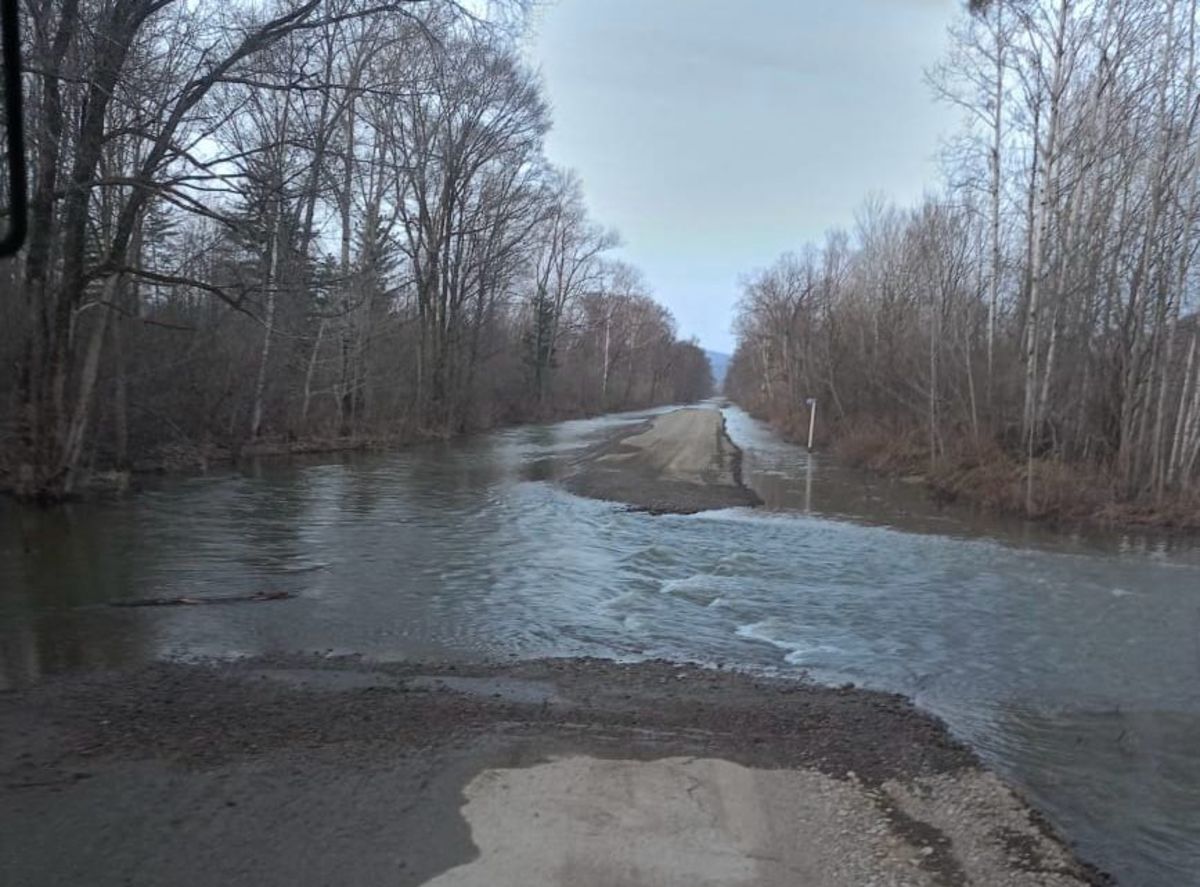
<point>621,601</point>
<point>633,622</point>
<point>700,588</point>
<point>761,631</point>
<point>768,631</point>
<point>670,585</point>
<point>802,655</point>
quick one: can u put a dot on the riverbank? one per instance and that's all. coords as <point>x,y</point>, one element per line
<point>1064,495</point>
<point>680,462</point>
<point>200,458</point>
<point>985,477</point>
<point>190,458</point>
<point>309,771</point>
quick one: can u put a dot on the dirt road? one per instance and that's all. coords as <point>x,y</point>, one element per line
<point>562,772</point>
<point>680,462</point>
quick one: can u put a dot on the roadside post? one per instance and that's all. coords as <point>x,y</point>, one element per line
<point>808,484</point>
<point>812,419</point>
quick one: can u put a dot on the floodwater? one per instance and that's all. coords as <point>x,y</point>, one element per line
<point>1071,662</point>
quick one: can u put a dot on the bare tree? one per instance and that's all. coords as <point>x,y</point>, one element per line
<point>315,219</point>
<point>1076,282</point>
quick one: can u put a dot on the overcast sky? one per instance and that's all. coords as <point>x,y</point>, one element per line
<point>716,134</point>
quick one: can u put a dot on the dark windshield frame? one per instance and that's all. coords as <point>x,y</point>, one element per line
<point>10,49</point>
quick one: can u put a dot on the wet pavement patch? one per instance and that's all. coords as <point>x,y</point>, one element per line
<point>505,689</point>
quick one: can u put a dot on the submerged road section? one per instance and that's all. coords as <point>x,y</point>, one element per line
<point>1067,662</point>
<point>680,462</point>
<point>576,772</point>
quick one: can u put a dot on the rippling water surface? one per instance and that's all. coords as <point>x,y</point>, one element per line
<point>1071,662</point>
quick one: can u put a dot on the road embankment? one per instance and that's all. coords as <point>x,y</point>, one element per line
<point>680,462</point>
<point>305,771</point>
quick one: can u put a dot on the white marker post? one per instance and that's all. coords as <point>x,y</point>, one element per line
<point>812,420</point>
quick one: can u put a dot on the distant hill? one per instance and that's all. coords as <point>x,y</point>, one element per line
<point>720,366</point>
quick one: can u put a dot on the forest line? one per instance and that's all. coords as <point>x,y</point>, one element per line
<point>314,220</point>
<point>1027,335</point>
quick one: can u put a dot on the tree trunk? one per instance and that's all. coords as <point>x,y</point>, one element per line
<point>260,383</point>
<point>77,426</point>
<point>308,376</point>
<point>994,158</point>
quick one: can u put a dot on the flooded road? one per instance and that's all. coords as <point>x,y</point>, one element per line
<point>1072,663</point>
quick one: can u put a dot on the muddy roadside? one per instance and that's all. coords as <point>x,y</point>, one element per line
<point>305,770</point>
<point>680,462</point>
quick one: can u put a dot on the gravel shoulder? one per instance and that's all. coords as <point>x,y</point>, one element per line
<point>678,463</point>
<point>306,771</point>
